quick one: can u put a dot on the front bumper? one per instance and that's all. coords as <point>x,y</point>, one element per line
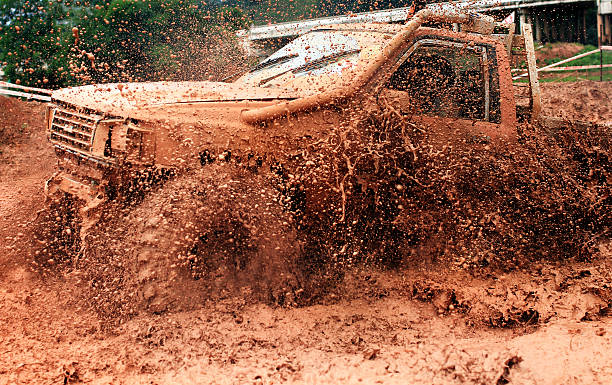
<point>61,182</point>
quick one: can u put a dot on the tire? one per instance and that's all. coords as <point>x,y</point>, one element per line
<point>216,229</point>
<point>56,235</point>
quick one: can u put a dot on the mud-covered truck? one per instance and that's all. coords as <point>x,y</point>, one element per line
<point>457,80</point>
<point>284,138</point>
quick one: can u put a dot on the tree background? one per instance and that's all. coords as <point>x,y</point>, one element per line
<point>155,40</point>
<point>32,42</point>
<point>52,44</point>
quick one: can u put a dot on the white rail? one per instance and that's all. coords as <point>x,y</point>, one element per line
<point>29,93</point>
<point>550,66</point>
<point>578,68</point>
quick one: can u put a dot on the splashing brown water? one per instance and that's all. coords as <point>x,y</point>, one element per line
<point>543,292</point>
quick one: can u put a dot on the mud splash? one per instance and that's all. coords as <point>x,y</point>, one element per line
<point>424,322</point>
<point>204,234</point>
<point>401,198</point>
<point>223,230</point>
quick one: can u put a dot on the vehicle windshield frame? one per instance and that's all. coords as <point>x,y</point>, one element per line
<point>302,57</point>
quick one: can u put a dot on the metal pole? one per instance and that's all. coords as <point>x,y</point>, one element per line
<point>601,65</point>
<point>600,52</point>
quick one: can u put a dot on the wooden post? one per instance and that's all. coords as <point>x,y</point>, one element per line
<point>563,29</point>
<point>554,30</point>
<point>509,40</point>
<point>522,18</point>
<point>607,33</point>
<point>532,71</point>
<point>570,30</point>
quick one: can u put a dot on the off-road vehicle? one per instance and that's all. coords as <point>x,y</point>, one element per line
<point>286,141</point>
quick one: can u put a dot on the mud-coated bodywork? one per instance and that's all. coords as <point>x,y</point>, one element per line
<point>290,103</point>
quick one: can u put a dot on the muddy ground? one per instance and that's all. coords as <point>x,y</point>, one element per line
<point>547,323</point>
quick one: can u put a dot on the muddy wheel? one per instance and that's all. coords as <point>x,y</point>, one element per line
<point>56,234</point>
<point>219,227</point>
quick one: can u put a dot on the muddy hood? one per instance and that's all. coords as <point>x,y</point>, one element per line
<point>123,99</point>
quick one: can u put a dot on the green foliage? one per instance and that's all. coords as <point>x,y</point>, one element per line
<point>69,42</point>
<point>59,43</point>
<point>593,59</point>
<point>577,75</point>
<point>32,43</point>
<point>153,40</point>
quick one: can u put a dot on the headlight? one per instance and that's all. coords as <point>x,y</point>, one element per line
<point>140,143</point>
<point>102,137</point>
<point>124,139</point>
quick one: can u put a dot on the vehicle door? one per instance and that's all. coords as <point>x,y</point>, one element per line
<point>448,87</point>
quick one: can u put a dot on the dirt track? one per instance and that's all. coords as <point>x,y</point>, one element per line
<point>548,324</point>
<point>586,100</point>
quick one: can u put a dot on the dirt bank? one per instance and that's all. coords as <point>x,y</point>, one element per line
<point>557,50</point>
<point>542,324</point>
<point>585,100</point>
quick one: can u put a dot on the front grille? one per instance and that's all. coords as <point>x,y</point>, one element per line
<point>73,129</point>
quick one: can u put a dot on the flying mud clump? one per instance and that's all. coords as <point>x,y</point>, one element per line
<point>547,197</point>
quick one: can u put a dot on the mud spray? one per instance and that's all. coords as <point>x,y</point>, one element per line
<point>503,239</point>
<point>227,230</point>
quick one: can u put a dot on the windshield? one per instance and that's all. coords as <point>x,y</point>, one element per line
<point>318,53</point>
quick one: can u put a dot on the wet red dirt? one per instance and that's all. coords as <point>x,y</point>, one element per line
<point>545,323</point>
